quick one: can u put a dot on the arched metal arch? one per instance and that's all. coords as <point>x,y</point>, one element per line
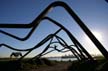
<point>73,15</point>
<point>69,34</point>
<point>59,50</point>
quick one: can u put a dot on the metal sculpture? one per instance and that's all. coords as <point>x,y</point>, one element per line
<point>106,0</point>
<point>82,54</point>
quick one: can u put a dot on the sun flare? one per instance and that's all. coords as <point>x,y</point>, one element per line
<point>89,44</point>
<point>97,35</point>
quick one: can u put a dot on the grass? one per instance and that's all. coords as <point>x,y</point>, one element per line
<point>6,64</point>
<point>100,64</point>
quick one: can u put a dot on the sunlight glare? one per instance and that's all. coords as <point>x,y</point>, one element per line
<point>97,35</point>
<point>89,44</point>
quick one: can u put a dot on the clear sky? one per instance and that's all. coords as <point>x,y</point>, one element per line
<point>94,13</point>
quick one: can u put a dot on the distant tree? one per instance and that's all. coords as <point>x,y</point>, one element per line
<point>16,54</point>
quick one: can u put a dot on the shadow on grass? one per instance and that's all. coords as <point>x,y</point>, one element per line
<point>10,65</point>
<point>97,65</point>
<point>24,64</point>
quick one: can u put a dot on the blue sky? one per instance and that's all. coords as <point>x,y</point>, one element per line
<point>92,12</point>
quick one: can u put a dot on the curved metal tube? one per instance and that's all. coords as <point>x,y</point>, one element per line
<point>41,43</point>
<point>65,45</point>
<point>73,15</point>
<point>68,47</point>
<point>46,18</point>
<point>36,46</point>
<point>73,39</point>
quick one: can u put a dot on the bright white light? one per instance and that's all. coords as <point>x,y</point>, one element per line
<point>89,44</point>
<point>97,35</point>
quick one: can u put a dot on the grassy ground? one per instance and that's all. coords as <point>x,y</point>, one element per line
<point>46,65</point>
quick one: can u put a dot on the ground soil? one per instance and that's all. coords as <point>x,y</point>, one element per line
<point>57,67</point>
